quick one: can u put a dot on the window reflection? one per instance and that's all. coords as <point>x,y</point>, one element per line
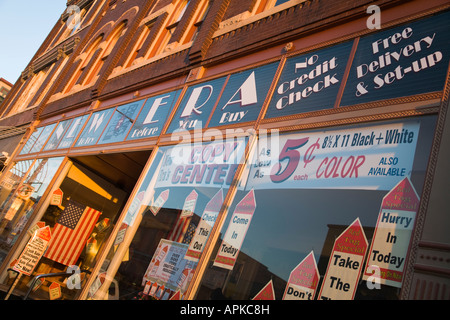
<point>288,224</point>
<point>170,219</point>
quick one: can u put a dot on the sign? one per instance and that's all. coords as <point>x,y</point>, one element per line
<point>56,198</point>
<point>168,266</point>
<point>159,202</point>
<point>57,135</point>
<point>94,128</point>
<point>236,231</point>
<point>121,122</point>
<point>54,291</point>
<point>345,265</point>
<point>403,61</point>
<point>134,209</point>
<point>196,106</point>
<point>200,165</point>
<point>37,226</point>
<point>357,157</point>
<point>40,142</point>
<point>25,191</point>
<point>392,235</point>
<point>153,116</point>
<point>266,293</point>
<point>121,234</point>
<point>244,95</point>
<point>310,82</point>
<point>303,280</point>
<point>30,142</point>
<point>176,296</point>
<point>204,227</point>
<point>72,132</point>
<point>33,251</point>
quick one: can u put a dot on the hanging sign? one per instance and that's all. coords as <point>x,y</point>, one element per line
<point>392,235</point>
<point>310,82</point>
<point>56,198</point>
<point>236,231</point>
<point>398,62</point>
<point>358,157</point>
<point>204,227</point>
<point>189,204</point>
<point>54,291</point>
<point>134,209</point>
<point>98,282</point>
<point>159,202</point>
<point>303,280</point>
<point>266,293</point>
<point>33,251</point>
<point>37,284</point>
<point>37,226</point>
<point>121,234</point>
<point>345,265</point>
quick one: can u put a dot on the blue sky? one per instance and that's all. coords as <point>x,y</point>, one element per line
<point>24,25</point>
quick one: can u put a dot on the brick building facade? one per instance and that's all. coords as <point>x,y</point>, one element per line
<point>221,146</point>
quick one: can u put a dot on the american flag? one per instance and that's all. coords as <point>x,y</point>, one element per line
<point>180,228</point>
<point>189,233</point>
<point>71,232</point>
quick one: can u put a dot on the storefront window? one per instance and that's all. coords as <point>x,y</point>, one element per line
<point>169,221</point>
<point>19,199</point>
<point>80,214</point>
<point>300,197</point>
<point>8,187</point>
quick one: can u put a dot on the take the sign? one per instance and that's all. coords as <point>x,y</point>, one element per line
<point>345,265</point>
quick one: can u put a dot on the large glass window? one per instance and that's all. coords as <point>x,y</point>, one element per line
<point>302,192</point>
<point>80,213</point>
<point>18,200</point>
<point>167,225</point>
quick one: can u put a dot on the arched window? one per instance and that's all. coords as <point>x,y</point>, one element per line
<point>110,44</point>
<point>193,27</point>
<point>89,53</point>
<point>30,90</point>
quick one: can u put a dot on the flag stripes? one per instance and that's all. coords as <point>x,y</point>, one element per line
<point>67,244</point>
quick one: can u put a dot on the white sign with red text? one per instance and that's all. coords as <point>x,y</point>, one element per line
<point>236,231</point>
<point>362,157</point>
<point>345,265</point>
<point>389,248</point>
